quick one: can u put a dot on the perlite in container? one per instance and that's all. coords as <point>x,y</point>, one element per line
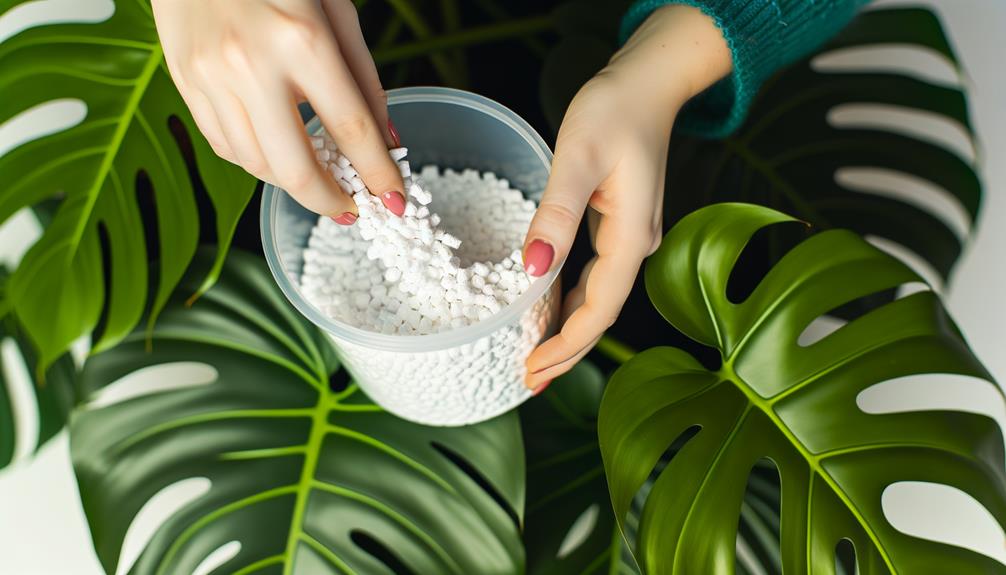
<point>437,375</point>
<point>451,261</point>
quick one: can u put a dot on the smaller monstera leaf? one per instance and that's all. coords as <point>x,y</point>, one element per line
<point>54,397</point>
<point>569,526</point>
<point>136,145</point>
<point>308,479</point>
<point>792,404</point>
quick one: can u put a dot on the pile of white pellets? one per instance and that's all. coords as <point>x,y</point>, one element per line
<point>452,260</point>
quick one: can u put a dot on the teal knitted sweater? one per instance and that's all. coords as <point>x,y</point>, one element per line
<point>763,36</point>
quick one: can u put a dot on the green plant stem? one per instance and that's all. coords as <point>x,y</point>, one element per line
<point>499,13</point>
<point>391,32</point>
<point>422,30</point>
<point>451,16</point>
<point>614,349</point>
<point>478,35</point>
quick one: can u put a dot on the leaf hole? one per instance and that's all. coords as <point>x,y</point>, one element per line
<point>144,190</point>
<point>834,320</point>
<point>246,235</point>
<point>918,62</point>
<point>845,558</point>
<point>758,530</point>
<point>106,277</point>
<point>217,558</point>
<point>579,531</point>
<point>207,222</point>
<point>914,123</point>
<point>631,522</point>
<point>765,248</point>
<point>339,380</point>
<point>909,189</point>
<point>379,551</point>
<point>41,120</point>
<point>476,476</point>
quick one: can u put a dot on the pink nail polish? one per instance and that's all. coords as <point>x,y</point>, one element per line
<point>538,258</point>
<point>541,388</point>
<point>345,219</point>
<point>395,202</point>
<point>394,133</point>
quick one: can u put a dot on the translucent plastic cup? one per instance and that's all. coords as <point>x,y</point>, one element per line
<point>460,376</point>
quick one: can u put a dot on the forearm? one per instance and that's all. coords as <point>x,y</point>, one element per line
<point>762,36</point>
<point>675,54</point>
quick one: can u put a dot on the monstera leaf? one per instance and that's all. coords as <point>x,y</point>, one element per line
<point>129,145</point>
<point>790,156</point>
<point>306,478</point>
<point>54,397</point>
<point>569,527</point>
<point>792,404</point>
<point>788,153</point>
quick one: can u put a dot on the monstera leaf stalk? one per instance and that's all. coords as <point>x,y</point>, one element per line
<point>793,404</point>
<point>306,476</point>
<point>132,135</point>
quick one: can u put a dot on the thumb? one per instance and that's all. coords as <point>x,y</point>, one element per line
<point>576,173</point>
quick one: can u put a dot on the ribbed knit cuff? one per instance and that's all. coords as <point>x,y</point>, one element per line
<point>751,28</point>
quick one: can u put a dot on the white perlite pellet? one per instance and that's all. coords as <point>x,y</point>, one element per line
<point>451,261</point>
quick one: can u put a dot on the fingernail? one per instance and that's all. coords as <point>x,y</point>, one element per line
<point>395,202</point>
<point>394,134</point>
<point>541,388</point>
<point>345,219</point>
<point>538,258</point>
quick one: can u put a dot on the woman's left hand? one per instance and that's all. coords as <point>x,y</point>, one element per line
<point>611,156</point>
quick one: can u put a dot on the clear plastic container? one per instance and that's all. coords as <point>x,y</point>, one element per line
<point>461,376</point>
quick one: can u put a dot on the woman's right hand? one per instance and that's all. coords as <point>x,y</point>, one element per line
<point>242,67</point>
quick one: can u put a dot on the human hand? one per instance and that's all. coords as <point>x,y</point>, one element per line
<point>611,155</point>
<point>242,67</point>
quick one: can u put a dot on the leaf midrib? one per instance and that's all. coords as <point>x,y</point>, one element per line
<point>728,373</point>
<point>128,115</point>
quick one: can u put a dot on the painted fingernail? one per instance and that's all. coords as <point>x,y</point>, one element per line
<point>541,388</point>
<point>538,258</point>
<point>394,134</point>
<point>345,219</point>
<point>395,202</point>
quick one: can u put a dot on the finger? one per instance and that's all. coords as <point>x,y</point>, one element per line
<point>291,158</point>
<point>624,238</point>
<point>206,120</point>
<point>345,21</point>
<point>333,93</point>
<point>237,130</point>
<point>604,293</point>
<point>576,172</point>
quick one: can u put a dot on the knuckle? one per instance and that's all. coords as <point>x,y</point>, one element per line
<point>298,177</point>
<point>351,129</point>
<point>556,215</point>
<point>299,33</point>
<point>233,52</point>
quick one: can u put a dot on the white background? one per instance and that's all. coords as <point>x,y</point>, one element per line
<point>42,527</point>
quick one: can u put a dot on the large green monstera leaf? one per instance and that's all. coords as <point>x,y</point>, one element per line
<point>125,147</point>
<point>53,397</point>
<point>307,478</point>
<point>792,404</point>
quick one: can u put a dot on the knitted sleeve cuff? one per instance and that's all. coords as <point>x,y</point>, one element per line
<point>763,36</point>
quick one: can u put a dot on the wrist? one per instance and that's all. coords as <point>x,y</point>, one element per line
<point>674,55</point>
